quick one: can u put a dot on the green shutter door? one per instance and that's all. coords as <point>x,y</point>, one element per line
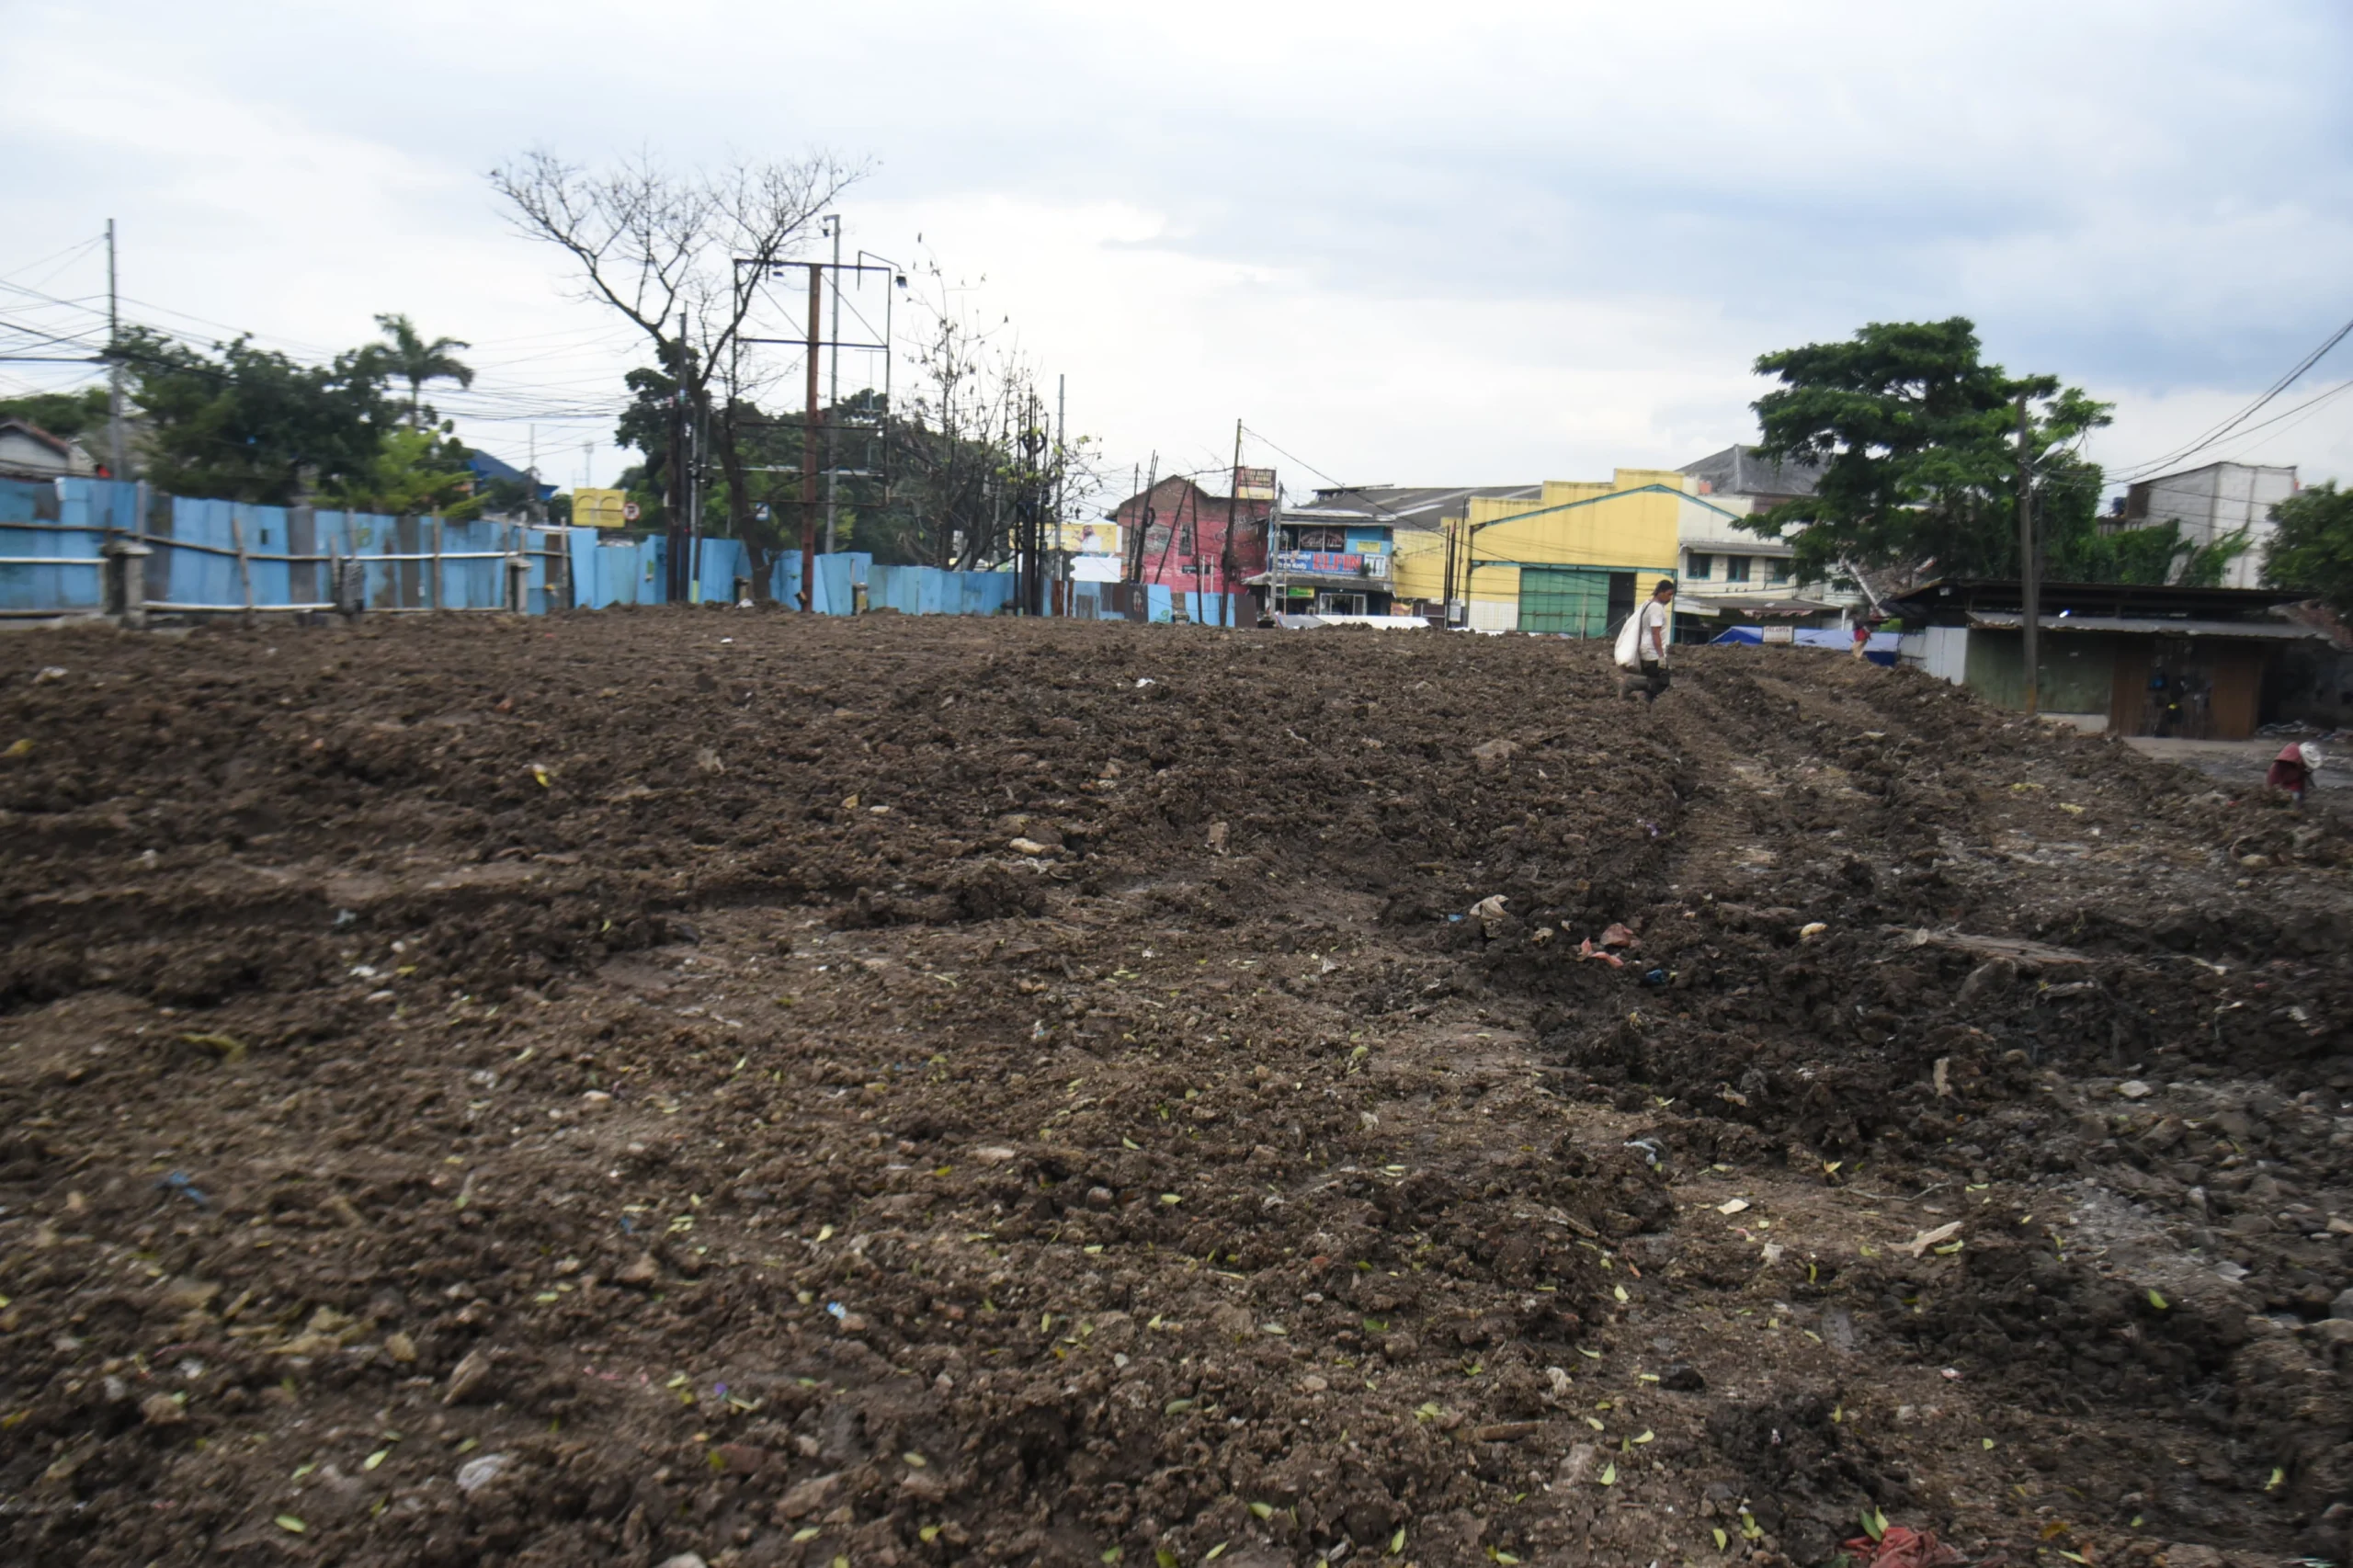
<point>1572,599</point>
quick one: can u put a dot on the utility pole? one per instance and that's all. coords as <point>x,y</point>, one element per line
<point>115,455</point>
<point>834,394</point>
<point>1142,523</point>
<point>809,445</point>
<point>2029,574</point>
<point>675,525</point>
<point>1225,555</point>
<point>1062,427</point>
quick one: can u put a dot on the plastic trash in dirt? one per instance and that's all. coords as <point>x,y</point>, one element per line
<point>1901,1547</point>
<point>1489,913</point>
<point>1585,949</point>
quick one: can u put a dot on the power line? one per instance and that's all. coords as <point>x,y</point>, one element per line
<point>2142,470</point>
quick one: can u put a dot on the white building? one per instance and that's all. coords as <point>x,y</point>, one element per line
<point>1726,568</point>
<point>2212,503</point>
<point>27,451</point>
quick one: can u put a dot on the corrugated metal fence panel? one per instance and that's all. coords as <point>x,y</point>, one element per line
<point>62,589</point>
<point>595,570</point>
<point>1206,609</point>
<point>193,576</point>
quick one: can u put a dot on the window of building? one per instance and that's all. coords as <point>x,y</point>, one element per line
<point>1701,567</point>
<point>1778,571</point>
<point>1735,569</point>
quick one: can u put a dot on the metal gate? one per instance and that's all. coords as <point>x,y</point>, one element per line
<point>1580,601</point>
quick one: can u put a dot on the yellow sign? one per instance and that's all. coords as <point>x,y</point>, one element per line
<point>1089,539</point>
<point>599,508</point>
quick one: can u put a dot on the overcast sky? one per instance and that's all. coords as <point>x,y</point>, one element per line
<point>1407,244</point>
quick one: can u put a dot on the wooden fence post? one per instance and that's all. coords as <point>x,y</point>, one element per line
<point>244,564</point>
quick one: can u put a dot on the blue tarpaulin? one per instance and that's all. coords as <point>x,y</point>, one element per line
<point>1879,649</point>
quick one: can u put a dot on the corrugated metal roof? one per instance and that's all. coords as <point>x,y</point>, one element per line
<point>1738,471</point>
<point>1996,620</point>
<point>1403,506</point>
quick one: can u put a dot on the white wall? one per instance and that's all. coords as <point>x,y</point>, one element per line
<point>1940,650</point>
<point>1493,615</point>
<point>2221,499</point>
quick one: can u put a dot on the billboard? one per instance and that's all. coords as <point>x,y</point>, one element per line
<point>1089,539</point>
<point>599,508</point>
<point>1254,483</point>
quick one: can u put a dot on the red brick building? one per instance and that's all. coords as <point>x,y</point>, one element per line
<point>1184,537</point>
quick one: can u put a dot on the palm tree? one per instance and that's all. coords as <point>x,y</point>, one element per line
<point>415,361</point>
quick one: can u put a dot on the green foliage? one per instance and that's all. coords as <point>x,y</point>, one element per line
<point>247,423</point>
<point>405,355</point>
<point>1916,437</point>
<point>415,472</point>
<point>2313,548</point>
<point>2153,553</point>
<point>64,414</point>
<point>644,424</point>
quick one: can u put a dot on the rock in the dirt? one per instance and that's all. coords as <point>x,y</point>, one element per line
<point>482,1470</point>
<point>400,1348</point>
<point>994,1156</point>
<point>808,1497</point>
<point>1495,756</point>
<point>468,1378</point>
<point>2192,1556</point>
<point>1684,1377</point>
<point>685,1560</point>
<point>2133,1089</point>
<point>162,1410</point>
<point>639,1272</point>
<point>2343,1306</point>
<point>1987,983</point>
<point>1578,1464</point>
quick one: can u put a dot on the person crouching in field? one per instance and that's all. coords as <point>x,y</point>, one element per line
<point>2292,770</point>
<point>1642,645</point>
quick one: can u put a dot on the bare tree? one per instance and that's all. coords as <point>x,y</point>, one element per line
<point>661,249</point>
<point>971,443</point>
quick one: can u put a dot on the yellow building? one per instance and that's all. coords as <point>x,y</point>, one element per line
<point>1575,558</point>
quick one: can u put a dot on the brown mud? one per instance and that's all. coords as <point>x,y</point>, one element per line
<point>649,1084</point>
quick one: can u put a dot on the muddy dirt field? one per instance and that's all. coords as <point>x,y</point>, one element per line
<point>707,1088</point>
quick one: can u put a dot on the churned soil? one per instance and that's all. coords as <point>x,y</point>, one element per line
<point>658,1087</point>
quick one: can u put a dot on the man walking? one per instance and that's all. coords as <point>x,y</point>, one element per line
<point>1642,645</point>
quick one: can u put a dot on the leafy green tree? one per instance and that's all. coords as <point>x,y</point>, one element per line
<point>1915,435</point>
<point>414,472</point>
<point>64,414</point>
<point>645,425</point>
<point>407,356</point>
<point>247,424</point>
<point>2312,546</point>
